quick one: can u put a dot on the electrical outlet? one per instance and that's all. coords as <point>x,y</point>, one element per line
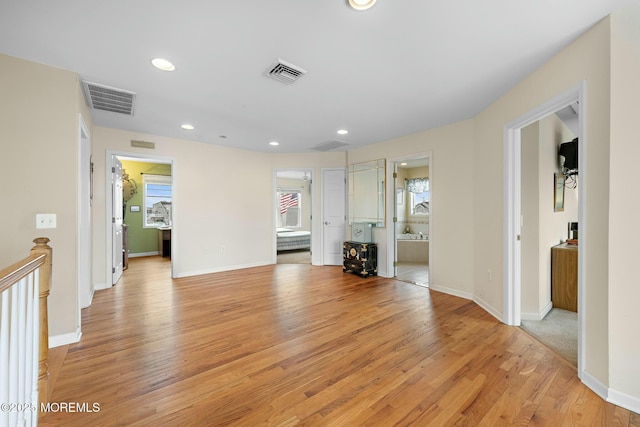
<point>45,220</point>
<point>222,249</point>
<point>489,273</point>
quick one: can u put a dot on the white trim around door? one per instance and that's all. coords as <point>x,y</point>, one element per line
<point>512,218</point>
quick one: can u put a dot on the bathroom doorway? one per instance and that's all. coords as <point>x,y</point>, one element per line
<point>411,220</point>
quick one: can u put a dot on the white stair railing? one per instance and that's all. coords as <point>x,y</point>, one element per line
<point>24,286</point>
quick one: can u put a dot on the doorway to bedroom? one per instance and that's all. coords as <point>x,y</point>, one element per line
<point>293,216</point>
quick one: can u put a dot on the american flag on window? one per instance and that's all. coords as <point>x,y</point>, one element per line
<point>287,200</point>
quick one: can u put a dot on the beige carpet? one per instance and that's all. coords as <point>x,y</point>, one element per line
<point>294,257</point>
<point>558,331</point>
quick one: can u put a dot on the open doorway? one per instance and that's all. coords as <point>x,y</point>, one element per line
<point>142,209</point>
<point>411,220</point>
<point>515,222</point>
<point>549,206</point>
<point>293,216</point>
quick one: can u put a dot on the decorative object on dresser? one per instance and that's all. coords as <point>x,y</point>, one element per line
<point>360,258</point>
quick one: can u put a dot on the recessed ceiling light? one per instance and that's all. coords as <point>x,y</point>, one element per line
<point>403,164</point>
<point>343,132</point>
<point>163,64</point>
<point>187,126</point>
<point>222,136</point>
<point>274,143</point>
<point>361,4</point>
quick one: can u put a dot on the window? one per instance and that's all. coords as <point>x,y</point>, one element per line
<point>289,214</point>
<point>419,196</point>
<point>420,203</point>
<point>157,200</point>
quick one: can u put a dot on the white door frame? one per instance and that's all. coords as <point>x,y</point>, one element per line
<point>390,209</point>
<point>512,197</point>
<point>83,254</point>
<point>314,252</point>
<point>140,157</point>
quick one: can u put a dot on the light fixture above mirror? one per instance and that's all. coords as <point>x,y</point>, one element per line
<point>361,4</point>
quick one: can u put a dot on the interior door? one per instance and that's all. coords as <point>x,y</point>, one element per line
<point>395,218</point>
<point>85,287</point>
<point>334,214</point>
<point>116,185</point>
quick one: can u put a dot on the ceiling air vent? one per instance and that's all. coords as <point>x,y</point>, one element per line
<point>329,145</point>
<point>286,72</point>
<point>107,98</point>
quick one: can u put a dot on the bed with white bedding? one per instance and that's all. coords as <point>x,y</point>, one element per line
<point>289,240</point>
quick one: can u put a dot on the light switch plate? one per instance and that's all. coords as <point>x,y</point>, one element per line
<point>45,220</point>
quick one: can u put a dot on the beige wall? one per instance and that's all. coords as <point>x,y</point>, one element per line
<point>39,134</point>
<point>624,205</point>
<point>586,59</point>
<point>223,197</point>
<point>530,202</point>
<point>451,150</point>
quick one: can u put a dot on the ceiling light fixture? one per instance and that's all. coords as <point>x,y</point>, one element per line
<point>163,64</point>
<point>187,126</point>
<point>274,143</point>
<point>361,4</point>
<point>343,132</point>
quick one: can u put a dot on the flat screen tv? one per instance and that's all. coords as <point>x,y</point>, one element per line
<point>569,155</point>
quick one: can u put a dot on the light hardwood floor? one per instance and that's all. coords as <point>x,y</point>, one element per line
<point>295,344</point>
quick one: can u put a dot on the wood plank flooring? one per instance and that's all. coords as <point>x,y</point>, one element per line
<point>286,345</point>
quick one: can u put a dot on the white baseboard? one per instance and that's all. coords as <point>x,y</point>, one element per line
<point>64,339</point>
<point>451,291</point>
<point>595,385</point>
<point>485,305</point>
<point>221,269</point>
<point>93,292</point>
<point>632,403</point>
<point>141,254</point>
<point>100,286</point>
<point>537,316</point>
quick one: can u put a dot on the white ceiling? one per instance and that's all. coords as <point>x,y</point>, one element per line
<point>401,67</point>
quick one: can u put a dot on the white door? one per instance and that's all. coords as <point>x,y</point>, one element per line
<point>395,218</point>
<point>85,287</point>
<point>334,214</point>
<point>116,185</point>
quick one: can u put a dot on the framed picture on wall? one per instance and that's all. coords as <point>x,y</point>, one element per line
<point>558,192</point>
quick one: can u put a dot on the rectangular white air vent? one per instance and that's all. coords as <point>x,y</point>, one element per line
<point>285,72</point>
<point>101,97</point>
<point>329,145</point>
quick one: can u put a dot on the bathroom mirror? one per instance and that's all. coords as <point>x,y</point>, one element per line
<point>366,192</point>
